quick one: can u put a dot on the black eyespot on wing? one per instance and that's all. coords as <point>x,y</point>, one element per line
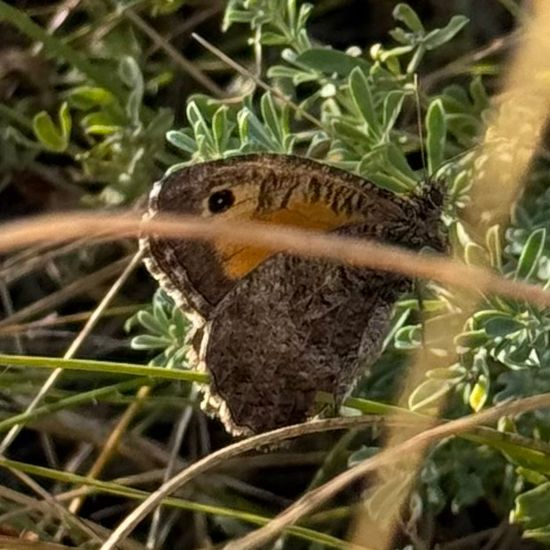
<point>220,201</point>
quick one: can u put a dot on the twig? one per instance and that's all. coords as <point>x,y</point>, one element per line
<point>220,457</point>
<point>258,81</point>
<point>177,57</point>
<point>73,289</point>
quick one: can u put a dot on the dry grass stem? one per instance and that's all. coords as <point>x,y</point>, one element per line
<point>76,288</point>
<point>258,81</point>
<point>276,238</point>
<point>221,456</point>
<point>411,447</point>
<point>73,348</point>
<point>187,66</point>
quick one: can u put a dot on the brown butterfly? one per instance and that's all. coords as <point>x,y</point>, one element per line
<point>272,329</point>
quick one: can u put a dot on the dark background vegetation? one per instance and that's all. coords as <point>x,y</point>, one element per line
<point>475,487</point>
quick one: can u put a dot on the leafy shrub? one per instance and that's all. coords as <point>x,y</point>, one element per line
<point>358,110</point>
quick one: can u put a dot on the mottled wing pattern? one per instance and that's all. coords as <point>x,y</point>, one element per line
<point>294,327</point>
<point>274,329</point>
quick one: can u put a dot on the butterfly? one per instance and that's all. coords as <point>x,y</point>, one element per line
<point>273,329</point>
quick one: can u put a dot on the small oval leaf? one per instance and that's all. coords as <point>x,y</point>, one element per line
<point>330,61</point>
<point>531,253</point>
<point>404,13</point>
<point>480,391</point>
<point>436,126</point>
<point>362,97</point>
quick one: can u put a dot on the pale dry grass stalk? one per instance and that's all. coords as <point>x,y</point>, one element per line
<point>76,288</point>
<point>81,317</point>
<point>74,347</point>
<point>510,143</point>
<point>311,244</point>
<point>409,448</point>
<point>112,442</point>
<point>51,381</point>
<point>14,268</point>
<point>313,499</point>
<point>259,82</point>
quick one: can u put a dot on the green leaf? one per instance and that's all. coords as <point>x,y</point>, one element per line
<point>479,394</point>
<point>438,37</point>
<point>502,325</point>
<point>390,182</point>
<point>471,339</point>
<point>476,255</point>
<point>436,126</point>
<point>531,254</point>
<point>401,36</point>
<point>392,54</point>
<point>254,131</point>
<point>149,322</point>
<point>99,123</point>
<point>271,117</point>
<point>532,508</point>
<point>479,94</point>
<point>404,13</point>
<point>483,316</point>
<point>346,131</point>
<point>147,341</point>
<point>88,97</point>
<point>65,121</point>
<point>52,137</point>
<point>533,459</point>
<point>363,100</point>
<point>409,337</point>
<point>532,476</point>
<point>130,73</point>
<point>182,141</point>
<point>416,59</point>
<point>398,166</point>
<point>393,102</point>
<point>330,61</point>
<point>429,392</point>
<point>220,129</point>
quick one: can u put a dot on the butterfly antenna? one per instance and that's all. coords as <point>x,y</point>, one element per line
<point>258,81</point>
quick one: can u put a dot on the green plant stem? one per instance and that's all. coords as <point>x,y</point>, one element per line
<point>103,367</point>
<point>520,448</point>
<point>112,488</point>
<point>68,402</point>
<point>512,7</point>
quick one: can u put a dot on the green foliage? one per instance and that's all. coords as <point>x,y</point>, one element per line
<point>363,111</point>
<point>165,328</point>
<point>356,102</point>
<point>359,101</point>
<point>53,138</point>
<point>102,122</point>
<point>532,511</point>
